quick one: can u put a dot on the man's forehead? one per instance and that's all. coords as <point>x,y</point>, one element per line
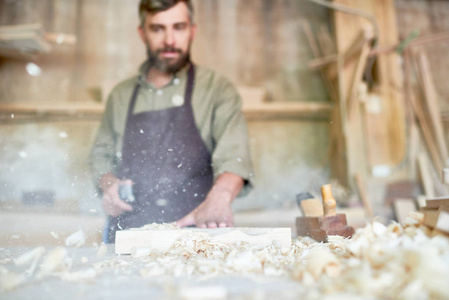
<point>176,14</point>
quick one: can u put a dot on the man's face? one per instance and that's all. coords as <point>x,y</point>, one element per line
<point>168,36</point>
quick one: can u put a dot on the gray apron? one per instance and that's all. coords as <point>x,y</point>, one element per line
<point>168,162</point>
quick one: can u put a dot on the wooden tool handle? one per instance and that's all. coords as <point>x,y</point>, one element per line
<point>329,202</point>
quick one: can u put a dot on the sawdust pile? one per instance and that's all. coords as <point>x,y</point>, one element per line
<point>400,261</point>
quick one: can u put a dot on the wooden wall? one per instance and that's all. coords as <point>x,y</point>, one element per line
<point>254,43</point>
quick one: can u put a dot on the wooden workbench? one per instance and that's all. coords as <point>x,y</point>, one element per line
<point>124,281</point>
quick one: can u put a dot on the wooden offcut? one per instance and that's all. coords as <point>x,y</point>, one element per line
<point>437,218</point>
<point>321,227</point>
<point>402,208</point>
<point>437,202</point>
<point>162,239</point>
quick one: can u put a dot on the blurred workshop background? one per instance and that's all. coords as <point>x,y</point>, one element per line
<point>357,98</point>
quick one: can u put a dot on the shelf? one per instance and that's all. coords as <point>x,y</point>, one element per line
<point>288,110</point>
<point>267,110</point>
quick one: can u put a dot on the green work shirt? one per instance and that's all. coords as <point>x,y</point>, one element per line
<point>216,108</point>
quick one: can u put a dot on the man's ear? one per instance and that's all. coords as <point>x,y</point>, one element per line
<point>193,28</point>
<point>141,33</point>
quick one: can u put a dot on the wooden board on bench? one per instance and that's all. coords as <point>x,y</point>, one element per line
<point>162,239</point>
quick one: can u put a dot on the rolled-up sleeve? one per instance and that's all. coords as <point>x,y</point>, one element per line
<point>103,156</point>
<point>230,135</point>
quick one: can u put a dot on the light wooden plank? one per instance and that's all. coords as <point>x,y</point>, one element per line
<point>356,80</point>
<point>445,175</point>
<point>402,208</point>
<point>430,216</point>
<point>162,240</point>
<point>442,223</point>
<point>426,176</point>
<point>364,196</point>
<point>426,132</point>
<point>431,99</point>
<point>437,218</point>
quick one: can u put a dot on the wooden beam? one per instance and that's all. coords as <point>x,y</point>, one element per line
<point>311,38</point>
<point>426,131</point>
<point>357,79</point>
<point>317,52</point>
<point>364,196</point>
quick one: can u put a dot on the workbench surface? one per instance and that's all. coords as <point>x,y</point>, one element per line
<point>398,261</point>
<point>124,281</point>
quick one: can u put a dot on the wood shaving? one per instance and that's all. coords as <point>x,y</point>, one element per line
<point>320,260</point>
<point>76,239</point>
<point>10,281</point>
<point>30,256</point>
<point>158,226</point>
<point>55,261</point>
<point>379,261</point>
<point>102,250</point>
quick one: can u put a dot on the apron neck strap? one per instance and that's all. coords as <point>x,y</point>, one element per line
<point>189,85</point>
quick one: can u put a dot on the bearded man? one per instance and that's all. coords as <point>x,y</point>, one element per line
<point>175,133</point>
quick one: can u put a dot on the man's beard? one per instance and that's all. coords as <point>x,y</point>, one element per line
<point>167,65</point>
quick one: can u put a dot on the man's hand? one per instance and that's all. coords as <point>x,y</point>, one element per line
<point>216,210</point>
<point>112,204</point>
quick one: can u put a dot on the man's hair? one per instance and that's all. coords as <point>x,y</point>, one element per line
<point>155,6</point>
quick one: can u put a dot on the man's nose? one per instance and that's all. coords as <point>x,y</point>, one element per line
<point>169,37</point>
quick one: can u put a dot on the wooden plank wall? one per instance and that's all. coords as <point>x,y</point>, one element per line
<point>254,43</point>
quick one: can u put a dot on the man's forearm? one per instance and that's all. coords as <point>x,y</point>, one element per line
<point>228,184</point>
<point>106,180</point>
